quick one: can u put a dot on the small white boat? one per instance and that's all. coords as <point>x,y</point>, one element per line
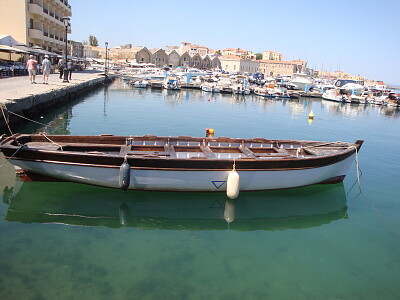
<point>240,89</point>
<point>141,84</point>
<point>335,95</point>
<point>210,88</point>
<point>301,80</point>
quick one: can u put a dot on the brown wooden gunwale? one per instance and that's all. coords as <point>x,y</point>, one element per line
<point>114,161</point>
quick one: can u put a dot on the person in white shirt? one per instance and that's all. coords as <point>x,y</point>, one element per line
<point>46,67</point>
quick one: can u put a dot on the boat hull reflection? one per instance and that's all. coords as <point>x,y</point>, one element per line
<point>75,204</point>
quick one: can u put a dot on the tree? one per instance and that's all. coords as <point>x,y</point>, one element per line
<point>218,52</point>
<point>259,56</point>
<point>93,41</point>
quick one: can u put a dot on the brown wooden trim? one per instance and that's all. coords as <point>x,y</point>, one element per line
<point>168,163</point>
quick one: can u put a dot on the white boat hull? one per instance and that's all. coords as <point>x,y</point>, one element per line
<point>187,180</point>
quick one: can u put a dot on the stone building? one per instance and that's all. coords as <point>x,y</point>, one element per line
<point>139,53</point>
<point>192,49</point>
<point>91,52</point>
<point>244,54</point>
<point>173,59</point>
<point>76,49</point>
<point>233,63</point>
<point>282,68</point>
<point>159,58</point>
<point>185,60</point>
<point>206,63</point>
<point>271,55</point>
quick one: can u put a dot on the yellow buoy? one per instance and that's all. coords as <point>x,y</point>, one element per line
<point>209,132</point>
<point>311,115</point>
<point>232,185</point>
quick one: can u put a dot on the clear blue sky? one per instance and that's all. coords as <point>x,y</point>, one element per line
<point>355,36</point>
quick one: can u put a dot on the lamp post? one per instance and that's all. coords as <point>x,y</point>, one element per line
<point>105,63</point>
<point>66,24</point>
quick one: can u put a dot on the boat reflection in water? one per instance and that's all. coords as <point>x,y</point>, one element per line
<point>78,204</point>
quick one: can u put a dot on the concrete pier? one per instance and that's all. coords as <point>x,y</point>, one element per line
<point>19,96</point>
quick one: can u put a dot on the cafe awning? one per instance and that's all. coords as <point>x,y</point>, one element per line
<point>5,48</point>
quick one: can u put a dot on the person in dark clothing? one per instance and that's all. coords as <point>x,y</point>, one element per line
<point>61,67</point>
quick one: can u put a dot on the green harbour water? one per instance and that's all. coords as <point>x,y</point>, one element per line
<point>63,240</point>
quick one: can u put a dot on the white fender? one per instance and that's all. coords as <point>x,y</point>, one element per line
<point>232,185</point>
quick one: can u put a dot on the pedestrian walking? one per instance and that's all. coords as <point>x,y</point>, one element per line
<point>61,67</point>
<point>31,65</point>
<point>70,66</point>
<point>46,67</point>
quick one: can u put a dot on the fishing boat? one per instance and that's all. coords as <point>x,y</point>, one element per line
<point>181,163</point>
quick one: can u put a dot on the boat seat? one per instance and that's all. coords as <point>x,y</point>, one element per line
<point>247,152</point>
<point>207,152</point>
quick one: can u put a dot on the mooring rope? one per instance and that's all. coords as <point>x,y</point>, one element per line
<point>46,137</point>
<point>11,156</point>
<point>5,119</point>
<point>28,118</point>
<point>371,204</point>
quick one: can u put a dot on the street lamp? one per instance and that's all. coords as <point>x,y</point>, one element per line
<point>105,63</point>
<point>66,24</point>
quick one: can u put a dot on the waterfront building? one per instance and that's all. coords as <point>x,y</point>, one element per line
<point>206,62</point>
<point>75,49</point>
<point>215,62</point>
<point>244,54</point>
<point>173,58</point>
<point>196,61</point>
<point>35,22</point>
<point>271,55</point>
<point>234,63</point>
<point>282,68</point>
<point>159,57</point>
<point>91,52</point>
<point>139,53</point>
<point>185,60</point>
<point>126,46</point>
<point>192,49</point>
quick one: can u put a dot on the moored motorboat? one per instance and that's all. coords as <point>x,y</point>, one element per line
<point>181,163</point>
<point>171,83</point>
<point>141,84</point>
<point>335,95</point>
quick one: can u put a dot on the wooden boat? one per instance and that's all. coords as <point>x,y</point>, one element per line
<point>181,163</point>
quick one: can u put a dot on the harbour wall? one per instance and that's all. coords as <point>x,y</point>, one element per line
<point>34,104</point>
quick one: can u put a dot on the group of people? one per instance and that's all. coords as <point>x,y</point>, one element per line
<point>32,66</point>
<point>68,70</point>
